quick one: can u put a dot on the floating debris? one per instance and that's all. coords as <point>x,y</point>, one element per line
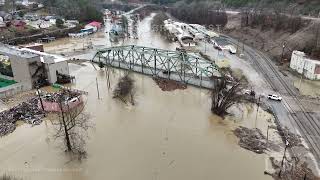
<point>293,170</point>
<point>6,128</point>
<point>63,95</point>
<point>251,139</point>
<point>29,111</point>
<point>293,139</point>
<point>169,85</point>
<point>124,89</point>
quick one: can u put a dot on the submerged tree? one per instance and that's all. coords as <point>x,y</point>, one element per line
<point>125,89</point>
<point>224,96</point>
<point>157,25</point>
<point>72,127</point>
<point>125,24</point>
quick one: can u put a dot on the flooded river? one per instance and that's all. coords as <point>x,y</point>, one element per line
<point>165,136</point>
<point>77,47</point>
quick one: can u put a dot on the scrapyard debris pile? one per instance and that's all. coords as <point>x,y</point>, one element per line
<point>27,111</point>
<point>63,95</point>
<point>251,139</point>
<point>293,170</point>
<point>293,139</point>
<point>169,85</point>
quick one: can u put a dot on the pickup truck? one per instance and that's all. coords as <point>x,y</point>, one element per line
<point>274,97</point>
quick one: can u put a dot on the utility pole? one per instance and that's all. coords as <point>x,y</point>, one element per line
<point>205,46</point>
<point>238,46</point>
<point>257,112</point>
<point>243,47</point>
<point>39,95</point>
<point>268,135</point>
<point>284,155</point>
<point>317,33</point>
<point>97,88</point>
<point>282,54</point>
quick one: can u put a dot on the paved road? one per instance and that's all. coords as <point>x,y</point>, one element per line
<point>291,112</point>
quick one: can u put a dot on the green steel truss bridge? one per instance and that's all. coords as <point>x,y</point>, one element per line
<point>174,65</point>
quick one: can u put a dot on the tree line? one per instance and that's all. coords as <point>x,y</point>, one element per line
<point>157,25</point>
<point>82,10</point>
<point>271,20</point>
<point>202,12</point>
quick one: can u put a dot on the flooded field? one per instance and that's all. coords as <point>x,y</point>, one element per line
<point>308,87</point>
<point>78,47</point>
<point>166,135</point>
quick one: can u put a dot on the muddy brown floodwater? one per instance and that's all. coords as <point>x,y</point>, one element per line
<point>166,135</point>
<point>307,87</point>
<point>77,47</point>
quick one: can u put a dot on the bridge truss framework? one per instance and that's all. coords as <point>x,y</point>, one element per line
<point>174,65</point>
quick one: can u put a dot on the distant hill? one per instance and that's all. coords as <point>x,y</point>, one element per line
<point>305,7</point>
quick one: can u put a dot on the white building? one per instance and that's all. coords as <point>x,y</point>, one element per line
<point>304,65</point>
<point>53,64</point>
<point>31,66</point>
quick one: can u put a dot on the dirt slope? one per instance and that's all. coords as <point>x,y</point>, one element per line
<point>270,41</point>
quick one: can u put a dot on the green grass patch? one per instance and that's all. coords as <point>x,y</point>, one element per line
<point>6,82</point>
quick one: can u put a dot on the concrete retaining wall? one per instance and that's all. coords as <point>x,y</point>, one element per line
<point>11,90</point>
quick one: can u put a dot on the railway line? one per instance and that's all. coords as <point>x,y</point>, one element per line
<point>307,126</point>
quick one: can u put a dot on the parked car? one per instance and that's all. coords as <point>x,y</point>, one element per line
<point>249,92</point>
<point>274,97</point>
<point>232,49</point>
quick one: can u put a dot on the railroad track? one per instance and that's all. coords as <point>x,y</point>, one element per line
<point>309,129</point>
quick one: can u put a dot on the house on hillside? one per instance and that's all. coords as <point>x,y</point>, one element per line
<point>94,25</point>
<point>304,65</point>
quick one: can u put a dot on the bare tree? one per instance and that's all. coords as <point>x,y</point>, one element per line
<point>72,127</point>
<point>224,96</point>
<point>10,5</point>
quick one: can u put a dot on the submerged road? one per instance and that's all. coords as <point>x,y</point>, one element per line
<point>291,112</point>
